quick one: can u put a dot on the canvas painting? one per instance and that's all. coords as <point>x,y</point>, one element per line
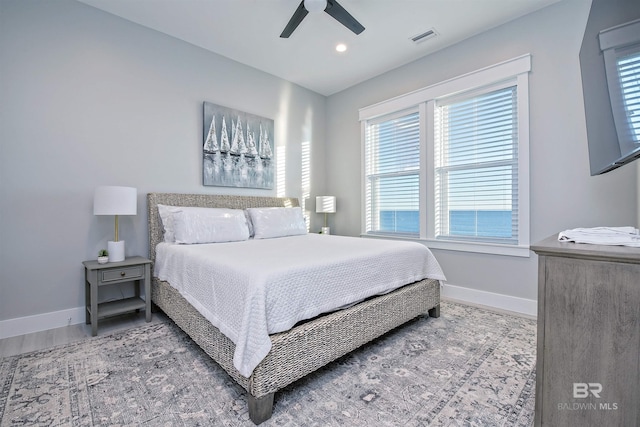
<point>238,148</point>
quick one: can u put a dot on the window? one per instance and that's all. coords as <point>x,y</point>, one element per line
<point>392,152</point>
<point>448,164</point>
<point>476,164</point>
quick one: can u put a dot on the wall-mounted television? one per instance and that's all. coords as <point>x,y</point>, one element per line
<point>610,67</point>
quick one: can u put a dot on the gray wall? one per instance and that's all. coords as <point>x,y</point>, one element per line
<point>90,99</point>
<point>563,194</point>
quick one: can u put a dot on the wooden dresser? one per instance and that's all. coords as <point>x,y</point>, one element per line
<point>588,352</point>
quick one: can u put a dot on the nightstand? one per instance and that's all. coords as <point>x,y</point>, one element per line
<point>136,269</point>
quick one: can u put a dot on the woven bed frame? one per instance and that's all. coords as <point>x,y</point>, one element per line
<point>304,348</point>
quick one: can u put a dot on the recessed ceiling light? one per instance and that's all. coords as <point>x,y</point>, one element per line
<point>341,47</point>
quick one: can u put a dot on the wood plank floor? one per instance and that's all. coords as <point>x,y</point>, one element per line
<point>59,336</point>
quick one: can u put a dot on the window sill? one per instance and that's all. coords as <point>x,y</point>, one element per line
<point>483,248</point>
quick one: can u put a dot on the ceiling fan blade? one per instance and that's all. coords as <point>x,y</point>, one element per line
<point>342,16</point>
<point>295,20</point>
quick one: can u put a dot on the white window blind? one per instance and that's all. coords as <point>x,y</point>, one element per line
<point>392,171</point>
<point>448,164</point>
<point>476,167</point>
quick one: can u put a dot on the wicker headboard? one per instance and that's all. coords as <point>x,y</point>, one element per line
<point>156,232</point>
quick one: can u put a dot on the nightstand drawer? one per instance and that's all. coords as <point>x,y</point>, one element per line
<point>130,273</point>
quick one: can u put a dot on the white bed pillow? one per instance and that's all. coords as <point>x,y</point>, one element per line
<point>209,225</point>
<point>166,216</point>
<point>277,222</point>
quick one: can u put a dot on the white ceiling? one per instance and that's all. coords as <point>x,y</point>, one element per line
<point>248,31</point>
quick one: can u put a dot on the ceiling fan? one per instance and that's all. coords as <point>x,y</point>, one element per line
<point>332,7</point>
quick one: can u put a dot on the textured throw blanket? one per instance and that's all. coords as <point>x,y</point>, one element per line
<point>254,288</point>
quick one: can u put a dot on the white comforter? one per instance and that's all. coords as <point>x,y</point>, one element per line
<point>254,288</point>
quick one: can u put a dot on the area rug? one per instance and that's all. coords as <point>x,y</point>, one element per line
<point>469,367</point>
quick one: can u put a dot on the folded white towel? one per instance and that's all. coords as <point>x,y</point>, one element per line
<point>613,236</point>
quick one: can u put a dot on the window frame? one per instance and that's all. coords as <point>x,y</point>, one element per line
<point>366,175</point>
<point>467,96</point>
<point>516,71</point>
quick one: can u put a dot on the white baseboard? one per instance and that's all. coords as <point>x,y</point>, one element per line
<point>73,316</point>
<point>525,306</point>
<point>41,322</point>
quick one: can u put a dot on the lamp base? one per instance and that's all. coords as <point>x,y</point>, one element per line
<point>116,251</point>
<point>326,230</point>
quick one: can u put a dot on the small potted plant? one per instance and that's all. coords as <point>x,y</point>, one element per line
<point>103,256</point>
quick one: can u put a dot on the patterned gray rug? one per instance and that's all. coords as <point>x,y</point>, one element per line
<point>470,367</point>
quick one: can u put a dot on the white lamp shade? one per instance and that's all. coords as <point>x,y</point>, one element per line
<point>325,204</point>
<point>110,200</point>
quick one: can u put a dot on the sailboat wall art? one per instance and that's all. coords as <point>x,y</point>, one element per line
<point>238,148</point>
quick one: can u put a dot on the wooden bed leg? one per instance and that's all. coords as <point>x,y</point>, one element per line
<point>435,311</point>
<point>260,408</point>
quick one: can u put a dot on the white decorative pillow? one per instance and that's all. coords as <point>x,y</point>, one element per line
<point>166,215</point>
<point>277,222</point>
<point>209,225</point>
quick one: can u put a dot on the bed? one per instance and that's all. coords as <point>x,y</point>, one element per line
<point>295,352</point>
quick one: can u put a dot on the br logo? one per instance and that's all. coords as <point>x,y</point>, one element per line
<point>582,390</point>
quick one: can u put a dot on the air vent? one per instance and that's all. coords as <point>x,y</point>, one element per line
<point>424,36</point>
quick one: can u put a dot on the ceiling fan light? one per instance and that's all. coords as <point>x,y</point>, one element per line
<point>315,5</point>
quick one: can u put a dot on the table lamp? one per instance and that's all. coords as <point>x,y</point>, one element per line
<point>325,205</point>
<point>110,200</point>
